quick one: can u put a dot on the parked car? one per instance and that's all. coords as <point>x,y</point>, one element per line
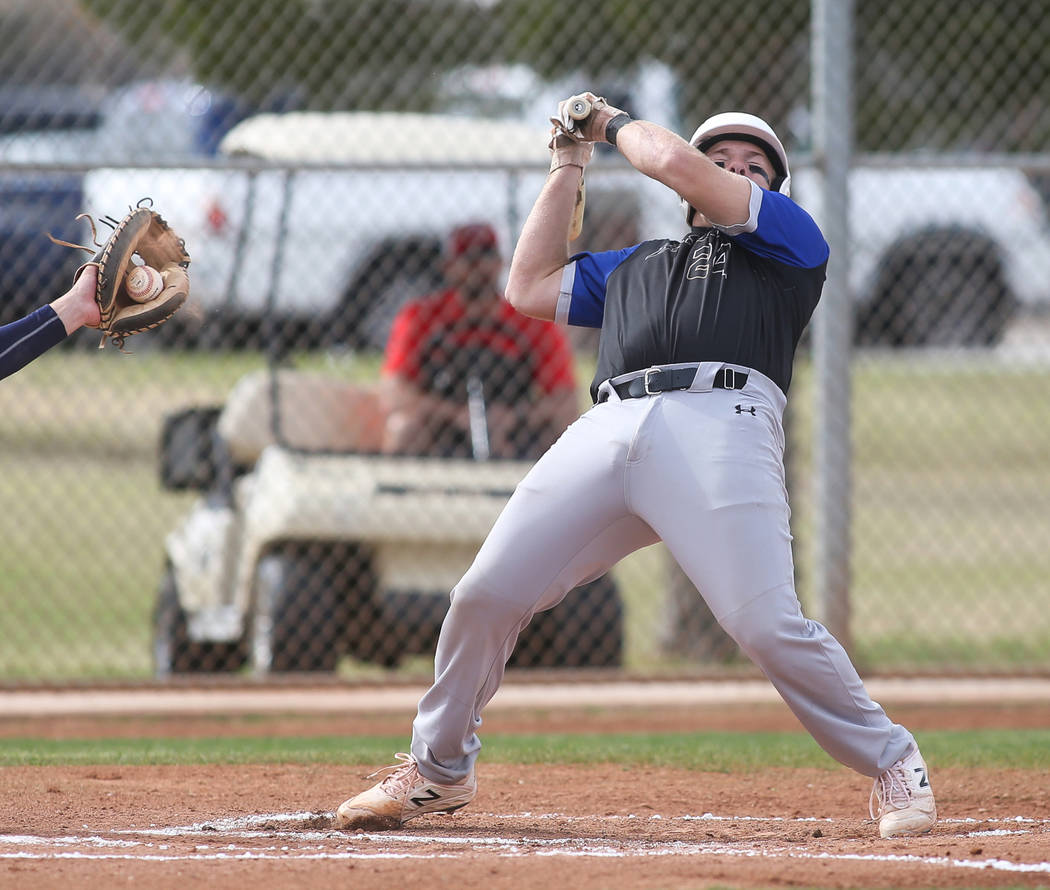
<point>33,270</point>
<point>35,200</point>
<point>308,545</point>
<point>50,135</point>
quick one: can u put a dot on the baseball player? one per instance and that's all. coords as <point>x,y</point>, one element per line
<point>30,337</point>
<point>684,444</point>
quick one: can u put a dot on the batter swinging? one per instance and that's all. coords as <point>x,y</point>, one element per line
<point>684,444</point>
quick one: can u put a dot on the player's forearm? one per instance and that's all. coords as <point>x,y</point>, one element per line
<point>542,250</point>
<point>74,312</point>
<point>417,428</point>
<point>666,157</point>
<point>28,338</point>
<point>418,408</point>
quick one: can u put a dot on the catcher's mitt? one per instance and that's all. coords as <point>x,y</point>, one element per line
<point>143,232</point>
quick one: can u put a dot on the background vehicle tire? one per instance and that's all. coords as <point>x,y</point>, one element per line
<point>396,271</point>
<point>312,604</point>
<point>584,630</point>
<point>413,622</point>
<point>943,287</point>
<point>173,650</point>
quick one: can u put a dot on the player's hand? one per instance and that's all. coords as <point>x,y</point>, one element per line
<point>567,152</point>
<point>82,296</point>
<point>591,127</point>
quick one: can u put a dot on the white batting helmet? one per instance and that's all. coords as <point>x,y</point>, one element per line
<point>749,128</point>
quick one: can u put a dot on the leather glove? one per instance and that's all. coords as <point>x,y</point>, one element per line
<point>567,152</point>
<point>124,309</point>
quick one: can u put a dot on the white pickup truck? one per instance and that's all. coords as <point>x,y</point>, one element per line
<point>941,255</point>
<point>323,223</point>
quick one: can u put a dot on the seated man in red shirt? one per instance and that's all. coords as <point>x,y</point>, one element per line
<point>466,375</point>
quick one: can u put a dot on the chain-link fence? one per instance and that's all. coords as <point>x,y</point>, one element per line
<point>292,474</point>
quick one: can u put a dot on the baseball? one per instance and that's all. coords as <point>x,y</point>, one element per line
<point>143,283</point>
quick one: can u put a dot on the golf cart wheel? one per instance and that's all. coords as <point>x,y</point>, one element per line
<point>586,629</point>
<point>173,650</point>
<point>309,602</point>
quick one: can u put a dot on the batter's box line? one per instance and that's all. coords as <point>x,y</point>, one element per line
<point>521,847</point>
<point>240,823</point>
<point>652,817</point>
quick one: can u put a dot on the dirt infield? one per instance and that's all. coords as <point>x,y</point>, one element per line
<point>600,826</point>
<point>588,827</point>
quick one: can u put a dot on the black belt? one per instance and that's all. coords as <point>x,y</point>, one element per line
<point>656,380</point>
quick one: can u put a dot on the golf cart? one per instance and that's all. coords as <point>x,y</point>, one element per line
<point>307,545</point>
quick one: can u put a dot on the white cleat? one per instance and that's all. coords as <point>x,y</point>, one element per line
<point>902,799</point>
<point>404,794</point>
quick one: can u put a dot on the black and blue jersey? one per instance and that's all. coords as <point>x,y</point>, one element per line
<point>740,295</point>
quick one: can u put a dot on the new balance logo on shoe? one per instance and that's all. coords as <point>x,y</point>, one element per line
<point>404,794</point>
<point>431,794</point>
<point>923,781</point>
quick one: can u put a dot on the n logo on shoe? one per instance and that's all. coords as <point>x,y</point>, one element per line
<point>923,781</point>
<point>431,794</point>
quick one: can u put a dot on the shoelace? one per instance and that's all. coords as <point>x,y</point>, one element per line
<point>400,776</point>
<point>890,788</point>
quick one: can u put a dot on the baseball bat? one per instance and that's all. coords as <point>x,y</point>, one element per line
<point>579,109</point>
<point>478,414</point>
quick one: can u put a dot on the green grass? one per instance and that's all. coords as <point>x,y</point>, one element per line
<point>707,751</point>
<point>950,511</point>
<point>84,519</point>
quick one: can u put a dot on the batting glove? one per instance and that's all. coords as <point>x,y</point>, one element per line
<point>567,152</point>
<point>586,118</point>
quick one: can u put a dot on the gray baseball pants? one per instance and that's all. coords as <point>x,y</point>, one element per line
<point>685,467</point>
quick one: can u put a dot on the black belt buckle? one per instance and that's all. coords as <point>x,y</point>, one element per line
<point>645,381</point>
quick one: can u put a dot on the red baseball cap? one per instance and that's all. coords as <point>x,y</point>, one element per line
<point>476,238</point>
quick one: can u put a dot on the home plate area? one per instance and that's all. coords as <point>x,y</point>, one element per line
<point>991,843</point>
<point>583,826</point>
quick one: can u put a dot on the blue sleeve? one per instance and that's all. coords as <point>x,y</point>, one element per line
<point>587,294</point>
<point>24,340</point>
<point>785,233</point>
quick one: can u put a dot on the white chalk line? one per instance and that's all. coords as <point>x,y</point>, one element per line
<point>244,822</point>
<point>224,835</point>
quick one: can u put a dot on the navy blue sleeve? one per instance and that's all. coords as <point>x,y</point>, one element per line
<point>586,291</point>
<point>28,338</point>
<point>785,233</point>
